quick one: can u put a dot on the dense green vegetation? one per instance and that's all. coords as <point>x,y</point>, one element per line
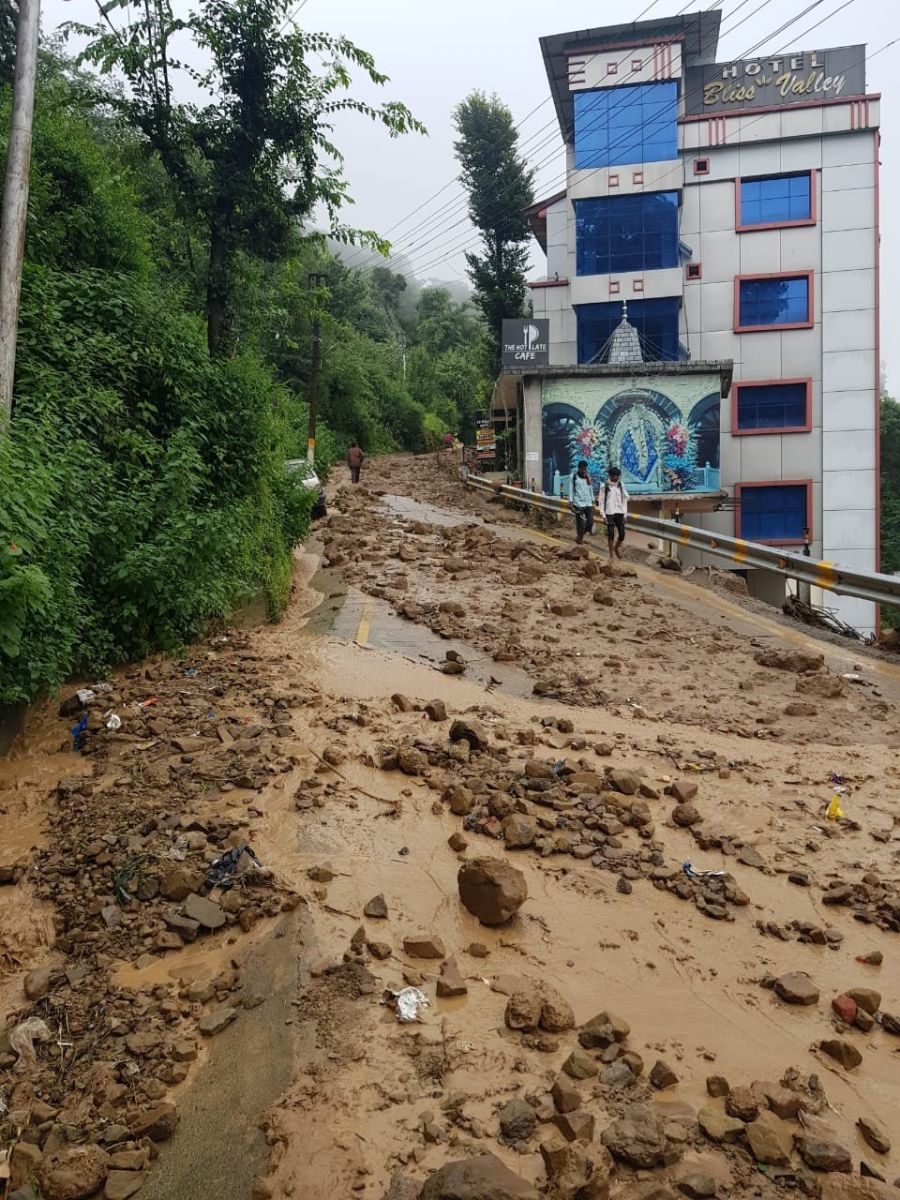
<point>142,487</point>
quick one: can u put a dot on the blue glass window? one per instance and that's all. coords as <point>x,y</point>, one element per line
<point>781,300</point>
<point>626,233</point>
<point>771,406</point>
<point>776,198</point>
<point>634,124</point>
<point>655,320</point>
<point>774,513</point>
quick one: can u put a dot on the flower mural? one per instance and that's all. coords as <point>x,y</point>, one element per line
<point>587,442</point>
<point>680,458</point>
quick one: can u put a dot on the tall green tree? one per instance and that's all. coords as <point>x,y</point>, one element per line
<point>254,155</point>
<point>890,484</point>
<point>500,187</point>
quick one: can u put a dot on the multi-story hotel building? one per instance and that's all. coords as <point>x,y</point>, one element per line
<point>734,206</point>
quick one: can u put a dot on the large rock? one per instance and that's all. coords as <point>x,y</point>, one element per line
<point>121,1185</point>
<point>37,982</point>
<point>771,1141</point>
<point>523,1009</point>
<point>797,988</point>
<point>481,1178</point>
<point>865,998</point>
<point>158,1123</point>
<point>580,1065</point>
<point>843,1052</point>
<point>557,1014</point>
<point>73,1173</point>
<point>823,1156</point>
<point>470,731</point>
<point>179,882</point>
<point>424,946</point>
<point>790,660</point>
<point>639,1139</point>
<point>491,889</point>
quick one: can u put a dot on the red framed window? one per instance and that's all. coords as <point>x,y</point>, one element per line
<point>773,301</point>
<point>776,512</point>
<point>701,166</point>
<point>771,406</point>
<point>693,271</point>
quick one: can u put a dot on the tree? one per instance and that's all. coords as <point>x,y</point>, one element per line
<point>500,187</point>
<point>9,22</point>
<point>248,158</point>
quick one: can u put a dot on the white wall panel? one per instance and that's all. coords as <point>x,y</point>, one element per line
<point>848,410</point>
<point>854,330</point>
<point>848,250</point>
<point>847,529</point>
<point>848,450</point>
<point>801,455</point>
<point>847,370</point>
<point>842,291</point>
<point>848,490</point>
<point>848,209</point>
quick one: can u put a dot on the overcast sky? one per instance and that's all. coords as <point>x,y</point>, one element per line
<point>436,53</point>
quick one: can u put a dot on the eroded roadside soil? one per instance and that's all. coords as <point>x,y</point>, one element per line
<point>623,1035</point>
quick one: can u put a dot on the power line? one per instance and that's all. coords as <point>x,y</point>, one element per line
<point>470,242</point>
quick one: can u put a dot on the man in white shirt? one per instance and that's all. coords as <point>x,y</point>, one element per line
<point>583,502</point>
<point>614,502</point>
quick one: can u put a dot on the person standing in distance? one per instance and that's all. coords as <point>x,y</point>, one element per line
<point>583,502</point>
<point>354,462</point>
<point>615,508</point>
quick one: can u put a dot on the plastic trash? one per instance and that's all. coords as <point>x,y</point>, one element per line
<point>409,1003</point>
<point>834,812</point>
<point>113,721</point>
<point>692,874</point>
<point>852,677</point>
<point>78,731</point>
<point>225,871</point>
<point>23,1037</point>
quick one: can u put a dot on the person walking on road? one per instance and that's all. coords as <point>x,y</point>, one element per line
<point>583,502</point>
<point>354,461</point>
<point>615,508</point>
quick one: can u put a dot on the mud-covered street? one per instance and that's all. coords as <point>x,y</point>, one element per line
<point>675,975</point>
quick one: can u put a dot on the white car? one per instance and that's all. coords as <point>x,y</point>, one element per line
<point>311,482</point>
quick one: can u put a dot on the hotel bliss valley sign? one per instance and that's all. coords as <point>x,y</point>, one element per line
<point>784,79</point>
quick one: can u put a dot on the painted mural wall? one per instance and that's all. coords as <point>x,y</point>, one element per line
<point>663,432</point>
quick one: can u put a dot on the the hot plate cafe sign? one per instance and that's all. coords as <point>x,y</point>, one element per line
<point>782,79</point>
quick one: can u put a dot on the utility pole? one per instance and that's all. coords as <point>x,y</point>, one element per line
<point>15,197</point>
<point>316,280</point>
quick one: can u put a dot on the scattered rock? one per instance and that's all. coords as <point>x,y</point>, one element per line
<point>845,1007</point>
<point>717,1086</point>
<point>451,982</point>
<point>717,1124</point>
<point>639,1139</point>
<point>790,660</point>
<point>697,1186</point>
<point>471,731</point>
<point>205,912</point>
<point>424,946</point>
<point>120,1185</point>
<point>457,842</point>
<point>556,1012</point>
<point>436,710</point>
<point>684,790</point>
<point>797,988</point>
<point>491,889</point>
<point>37,982</point>
<point>686,815</point>
<point>770,1140</point>
<point>742,1103</point>
<point>865,998</point>
<point>580,1065</point>
<point>843,1052</point>
<point>523,1009</point>
<point>576,1126</point>
<point>517,1120</point>
<point>376,909</point>
<point>157,1124</point>
<point>662,1076</point>
<point>218,1019</point>
<point>874,1135</point>
<point>519,831</point>
<point>823,1156</point>
<point>566,1096</point>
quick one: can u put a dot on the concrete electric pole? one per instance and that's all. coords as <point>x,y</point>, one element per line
<point>15,197</point>
<point>316,280</point>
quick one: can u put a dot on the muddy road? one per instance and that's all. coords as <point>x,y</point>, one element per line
<point>699,996</point>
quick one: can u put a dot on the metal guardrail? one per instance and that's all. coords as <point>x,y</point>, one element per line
<point>866,585</point>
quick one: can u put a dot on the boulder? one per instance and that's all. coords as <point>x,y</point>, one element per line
<point>574,1171</point>
<point>684,790</point>
<point>639,1139</point>
<point>566,1096</point>
<point>602,1030</point>
<point>576,1126</point>
<point>845,1007</point>
<point>73,1173</point>
<point>178,883</point>
<point>436,710</point>
<point>662,1076</point>
<point>580,1065</point>
<point>517,1120</point>
<point>797,988</point>
<point>823,686</point>
<point>37,982</point>
<point>790,660</point>
<point>557,1014</point>
<point>216,1020</point>
<point>482,1178</point>
<point>622,781</point>
<point>771,1141</point>
<point>491,889</point>
<point>121,1185</point>
<point>742,1103</point>
<point>686,815</point>
<point>157,1124</point>
<point>451,982</point>
<point>822,1155</point>
<point>717,1086</point>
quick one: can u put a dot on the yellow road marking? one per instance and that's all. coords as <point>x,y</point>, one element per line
<point>365,623</point>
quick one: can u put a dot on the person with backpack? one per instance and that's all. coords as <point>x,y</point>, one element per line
<point>614,504</point>
<point>583,502</point>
